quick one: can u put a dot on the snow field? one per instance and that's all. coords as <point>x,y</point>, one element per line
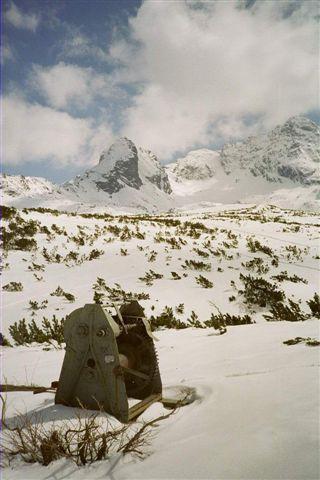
<point>258,408</point>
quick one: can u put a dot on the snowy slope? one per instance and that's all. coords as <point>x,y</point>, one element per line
<point>256,416</point>
<point>257,412</point>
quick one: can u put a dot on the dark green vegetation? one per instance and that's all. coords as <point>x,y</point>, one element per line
<point>24,333</point>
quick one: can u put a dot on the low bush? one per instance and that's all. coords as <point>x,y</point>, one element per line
<point>204,282</point>
<point>284,276</point>
<point>88,438</point>
<point>291,312</point>
<point>259,291</point>
<point>59,292</point>
<point>4,342</point>
<point>24,333</point>
<point>314,305</point>
<point>255,246</point>
<point>166,319</point>
<point>195,265</point>
<point>13,287</point>
<point>150,276</point>
<point>225,319</point>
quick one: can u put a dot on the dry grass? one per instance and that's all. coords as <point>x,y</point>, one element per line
<point>85,439</point>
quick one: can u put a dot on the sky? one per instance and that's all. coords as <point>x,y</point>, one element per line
<point>170,75</point>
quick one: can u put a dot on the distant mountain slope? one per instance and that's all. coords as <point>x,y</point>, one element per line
<point>19,186</point>
<point>280,167</point>
<point>290,151</point>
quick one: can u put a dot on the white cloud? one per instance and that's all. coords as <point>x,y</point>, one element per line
<point>63,85</point>
<point>77,45</point>
<point>21,20</point>
<point>6,52</point>
<point>35,133</point>
<point>204,71</point>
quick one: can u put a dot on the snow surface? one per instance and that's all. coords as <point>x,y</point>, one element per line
<point>257,415</point>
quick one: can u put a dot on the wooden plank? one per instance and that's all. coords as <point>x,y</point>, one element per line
<point>18,388</point>
<point>143,405</point>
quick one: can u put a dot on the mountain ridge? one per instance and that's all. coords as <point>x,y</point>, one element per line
<point>129,176</point>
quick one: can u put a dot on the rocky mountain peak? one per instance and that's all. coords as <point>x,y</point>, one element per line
<point>120,166</point>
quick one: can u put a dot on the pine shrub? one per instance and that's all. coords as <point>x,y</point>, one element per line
<point>314,305</point>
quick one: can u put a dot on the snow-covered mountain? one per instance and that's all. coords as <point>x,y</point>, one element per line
<point>289,151</point>
<point>126,176</point>
<point>280,167</point>
<point>197,165</point>
<point>19,186</point>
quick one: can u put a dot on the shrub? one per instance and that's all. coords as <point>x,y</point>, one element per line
<point>194,265</point>
<point>34,267</point>
<point>256,265</point>
<point>225,319</point>
<point>180,308</point>
<point>175,276</point>
<point>150,277</point>
<point>13,287</point>
<point>311,342</point>
<point>314,305</point>
<point>88,438</point>
<point>293,252</point>
<point>204,282</point>
<point>34,305</point>
<point>259,291</point>
<point>25,333</point>
<point>291,313</point>
<point>59,292</point>
<point>166,319</point>
<point>255,246</point>
<point>194,321</point>
<point>7,213</point>
<point>201,253</point>
<point>95,254</point>
<point>280,277</point>
<point>102,291</point>
<point>4,342</point>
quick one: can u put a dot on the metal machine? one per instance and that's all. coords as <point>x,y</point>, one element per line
<point>109,358</point>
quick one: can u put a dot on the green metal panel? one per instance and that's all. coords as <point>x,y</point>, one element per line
<point>91,373</point>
